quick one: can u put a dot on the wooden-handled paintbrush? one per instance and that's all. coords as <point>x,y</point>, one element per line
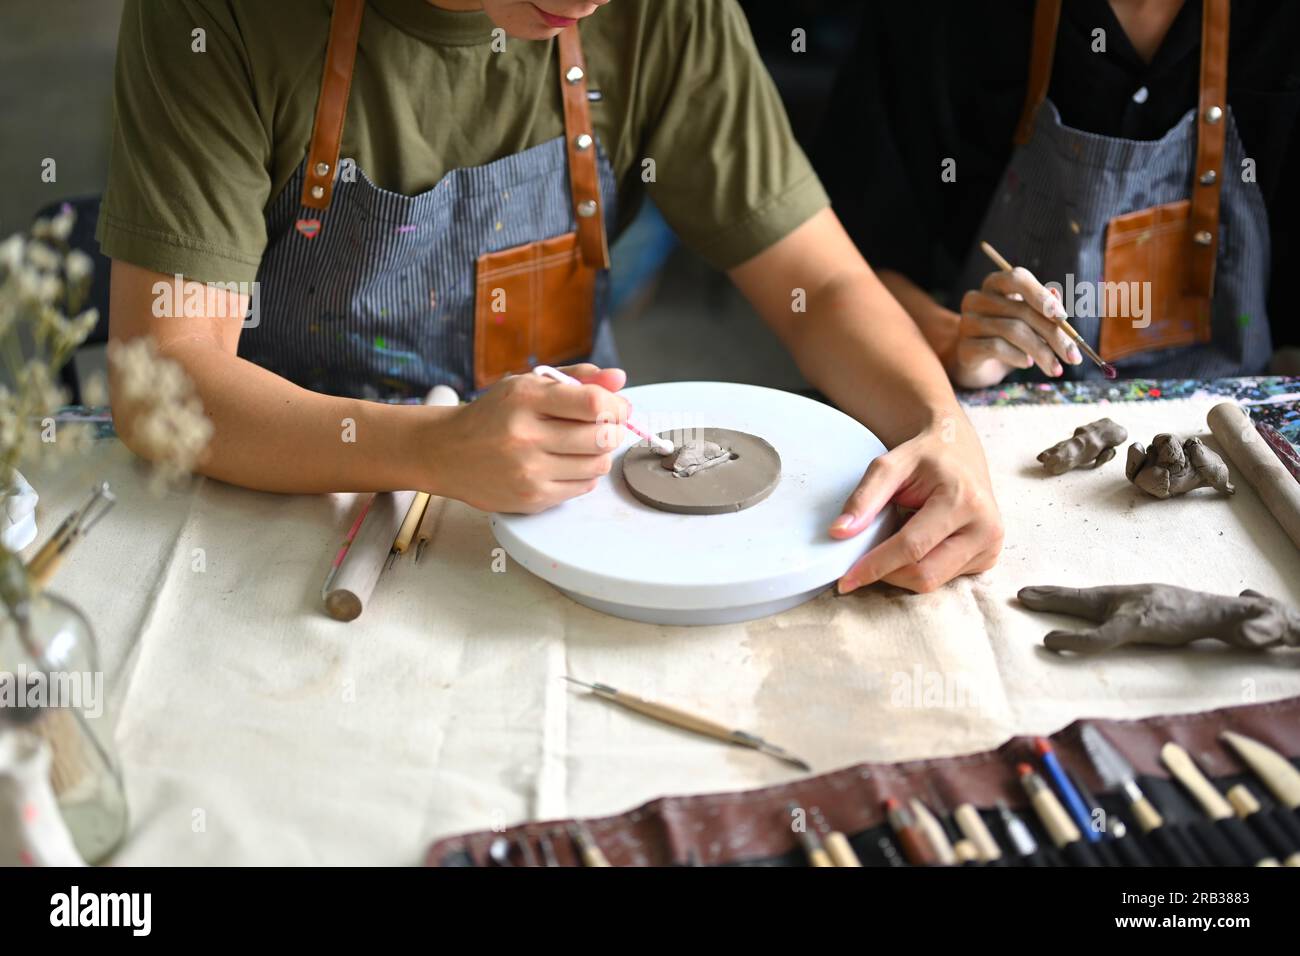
<point>1106,368</point>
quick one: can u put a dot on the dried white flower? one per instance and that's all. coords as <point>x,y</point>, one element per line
<point>43,257</point>
<point>61,224</point>
<point>168,425</point>
<point>79,267</point>
<point>12,253</point>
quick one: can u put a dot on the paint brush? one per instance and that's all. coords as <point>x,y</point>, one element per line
<point>911,838</point>
<point>1062,320</point>
<point>661,446</point>
<point>687,721</point>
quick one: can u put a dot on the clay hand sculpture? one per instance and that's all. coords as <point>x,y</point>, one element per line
<point>1163,614</point>
<point>1168,468</point>
<point>693,456</point>
<point>1092,446</point>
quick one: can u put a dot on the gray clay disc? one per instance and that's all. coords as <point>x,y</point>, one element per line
<point>743,481</point>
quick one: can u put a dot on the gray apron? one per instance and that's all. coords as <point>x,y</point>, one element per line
<point>380,302</point>
<point>1051,211</point>
<point>372,293</point>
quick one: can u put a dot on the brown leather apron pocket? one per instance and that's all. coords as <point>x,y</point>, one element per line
<point>1149,246</point>
<point>533,304</point>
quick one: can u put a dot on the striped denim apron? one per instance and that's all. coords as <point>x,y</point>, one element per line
<point>1050,213</point>
<point>374,296</point>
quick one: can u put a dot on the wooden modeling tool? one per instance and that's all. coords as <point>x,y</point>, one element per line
<point>406,533</point>
<point>1265,825</point>
<point>934,833</point>
<point>1271,767</point>
<point>428,526</point>
<point>1106,368</point>
<point>809,840</point>
<point>661,446</point>
<point>587,847</point>
<point>71,530</point>
<point>687,721</point>
<point>966,851</point>
<point>972,824</point>
<point>837,844</point>
<point>916,847</point>
<point>1242,842</point>
<point>444,397</point>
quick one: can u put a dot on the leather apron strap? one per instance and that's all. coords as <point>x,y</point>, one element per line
<point>584,182</point>
<point>1211,134</point>
<point>1211,126</point>
<point>1042,51</point>
<point>332,107</point>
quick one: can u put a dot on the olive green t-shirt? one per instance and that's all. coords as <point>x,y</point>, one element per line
<point>211,125</point>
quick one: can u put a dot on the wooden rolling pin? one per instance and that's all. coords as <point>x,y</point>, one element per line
<point>1257,463</point>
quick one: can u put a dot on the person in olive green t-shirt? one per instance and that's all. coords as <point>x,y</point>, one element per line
<point>215,105</point>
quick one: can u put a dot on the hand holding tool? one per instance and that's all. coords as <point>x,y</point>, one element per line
<point>661,446</point>
<point>1106,368</point>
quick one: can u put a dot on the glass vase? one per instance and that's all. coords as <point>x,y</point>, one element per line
<point>51,686</point>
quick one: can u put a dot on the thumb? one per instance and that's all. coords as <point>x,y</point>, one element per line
<point>876,489</point>
<point>1088,641</point>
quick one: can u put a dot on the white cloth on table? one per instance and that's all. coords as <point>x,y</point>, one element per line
<point>254,729</point>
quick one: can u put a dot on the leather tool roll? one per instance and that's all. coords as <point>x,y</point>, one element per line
<point>706,829</point>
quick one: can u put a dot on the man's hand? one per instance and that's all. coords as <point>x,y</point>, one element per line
<point>957,529</point>
<point>853,341</point>
<point>529,443</point>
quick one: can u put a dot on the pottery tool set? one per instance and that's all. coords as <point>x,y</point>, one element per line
<point>383,530</point>
<point>744,536</point>
<point>1218,788</point>
<point>72,529</point>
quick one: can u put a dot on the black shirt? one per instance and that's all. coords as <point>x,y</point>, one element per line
<point>933,80</point>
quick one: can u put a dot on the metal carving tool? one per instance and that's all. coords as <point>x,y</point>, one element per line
<point>1117,773</point>
<point>687,721</point>
<point>71,530</point>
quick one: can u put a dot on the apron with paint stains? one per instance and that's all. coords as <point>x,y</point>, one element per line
<point>370,293</point>
<point>1156,290</point>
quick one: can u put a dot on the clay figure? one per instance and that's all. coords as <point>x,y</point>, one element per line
<point>1164,614</point>
<point>693,456</point>
<point>1092,445</point>
<point>1168,468</point>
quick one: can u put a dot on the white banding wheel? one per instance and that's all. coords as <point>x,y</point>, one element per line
<point>610,552</point>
